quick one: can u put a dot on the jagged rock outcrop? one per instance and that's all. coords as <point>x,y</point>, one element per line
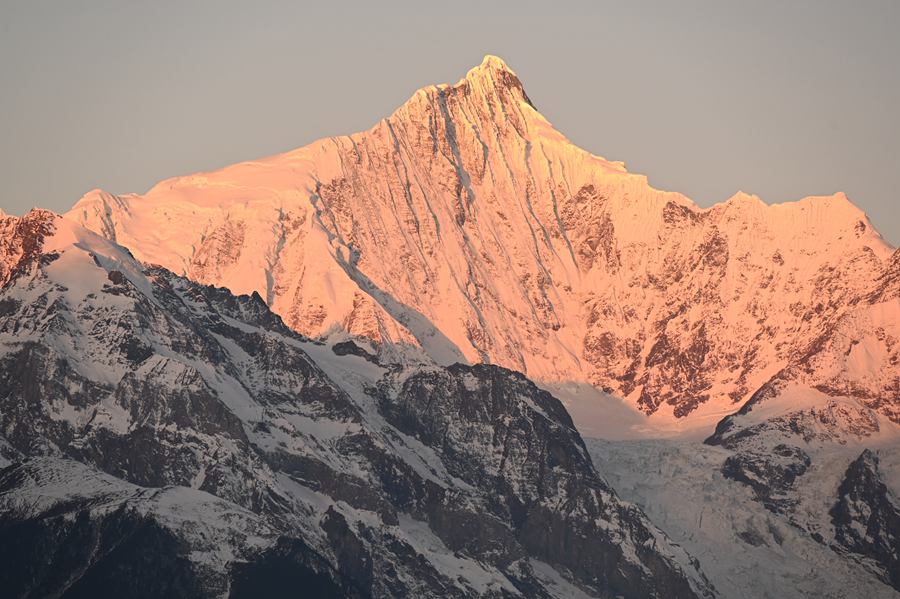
<point>466,224</point>
<point>771,475</point>
<point>536,462</point>
<point>866,517</point>
<point>138,407</point>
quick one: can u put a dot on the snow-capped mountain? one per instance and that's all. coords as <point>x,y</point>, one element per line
<point>354,422</point>
<point>160,437</point>
<point>466,224</point>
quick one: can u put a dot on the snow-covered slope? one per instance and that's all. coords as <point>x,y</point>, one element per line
<point>808,444</point>
<point>354,439</point>
<point>466,224</point>
<point>162,437</point>
<point>747,550</point>
<point>796,494</point>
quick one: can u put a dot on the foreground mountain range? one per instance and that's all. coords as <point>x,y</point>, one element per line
<point>157,425</point>
<point>359,422</point>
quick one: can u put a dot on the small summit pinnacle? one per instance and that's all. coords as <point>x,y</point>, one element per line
<point>489,66</point>
<point>494,62</point>
<point>494,72</point>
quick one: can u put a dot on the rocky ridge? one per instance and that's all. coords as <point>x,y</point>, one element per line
<point>166,437</point>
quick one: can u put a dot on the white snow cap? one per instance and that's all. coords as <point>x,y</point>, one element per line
<point>464,223</point>
<point>490,66</point>
<point>492,63</point>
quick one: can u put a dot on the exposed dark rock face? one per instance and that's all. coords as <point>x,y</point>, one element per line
<point>118,554</point>
<point>831,421</point>
<point>349,348</point>
<point>770,475</point>
<point>286,569</point>
<point>21,242</point>
<point>140,409</point>
<point>75,532</point>
<point>769,454</point>
<point>783,454</point>
<point>866,517</point>
<point>494,429</point>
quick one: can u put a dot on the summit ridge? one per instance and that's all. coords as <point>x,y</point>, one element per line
<point>466,225</point>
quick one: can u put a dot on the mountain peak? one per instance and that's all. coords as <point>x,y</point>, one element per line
<point>465,224</point>
<point>491,63</point>
<point>40,215</point>
<point>742,197</point>
<point>495,75</point>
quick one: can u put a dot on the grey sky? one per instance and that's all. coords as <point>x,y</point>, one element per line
<point>781,99</point>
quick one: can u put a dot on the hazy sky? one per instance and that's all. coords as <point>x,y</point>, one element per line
<point>781,99</point>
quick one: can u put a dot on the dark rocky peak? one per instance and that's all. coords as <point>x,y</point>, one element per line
<point>770,474</point>
<point>866,517</point>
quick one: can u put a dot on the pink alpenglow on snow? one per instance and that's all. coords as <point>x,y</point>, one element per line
<point>465,225</point>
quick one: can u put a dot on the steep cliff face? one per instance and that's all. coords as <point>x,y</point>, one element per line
<point>796,443</point>
<point>844,380</point>
<point>138,408</point>
<point>866,517</point>
<point>466,224</point>
<point>796,470</point>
